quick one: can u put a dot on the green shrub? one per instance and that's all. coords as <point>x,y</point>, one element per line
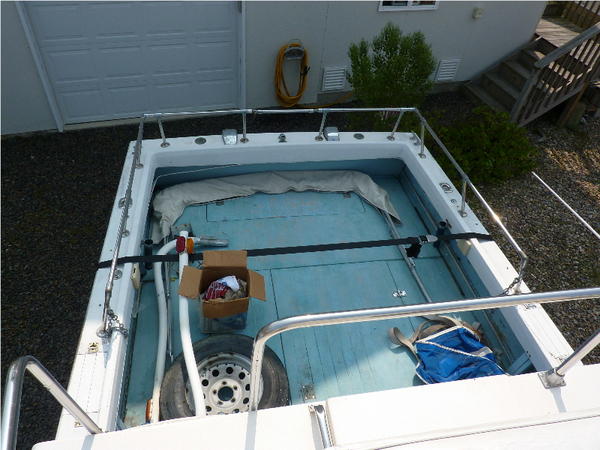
<point>488,146</point>
<point>391,71</point>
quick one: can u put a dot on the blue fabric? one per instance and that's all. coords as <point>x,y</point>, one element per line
<point>448,356</point>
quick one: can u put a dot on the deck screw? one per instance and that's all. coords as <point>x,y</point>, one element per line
<point>445,187</point>
<point>93,347</point>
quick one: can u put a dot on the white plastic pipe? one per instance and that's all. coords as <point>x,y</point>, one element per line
<point>161,348</point>
<point>186,341</point>
<point>163,319</point>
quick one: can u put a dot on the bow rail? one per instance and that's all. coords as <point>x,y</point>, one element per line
<point>110,321</point>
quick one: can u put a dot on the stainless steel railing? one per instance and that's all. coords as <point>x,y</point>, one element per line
<point>566,205</point>
<point>12,399</point>
<point>110,320</point>
<point>398,312</point>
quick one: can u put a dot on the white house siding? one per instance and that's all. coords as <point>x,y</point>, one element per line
<point>328,28</point>
<point>325,28</point>
<point>24,103</point>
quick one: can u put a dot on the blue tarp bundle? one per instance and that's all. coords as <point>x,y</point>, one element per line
<point>454,354</point>
<point>448,350</point>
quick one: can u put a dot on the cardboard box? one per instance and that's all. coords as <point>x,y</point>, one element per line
<point>219,264</point>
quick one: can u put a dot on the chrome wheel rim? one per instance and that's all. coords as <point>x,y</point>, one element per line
<point>225,382</point>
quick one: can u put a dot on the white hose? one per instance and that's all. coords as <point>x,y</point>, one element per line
<point>163,325</point>
<point>159,371</point>
<point>186,342</point>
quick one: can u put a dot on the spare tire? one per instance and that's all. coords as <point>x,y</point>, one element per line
<point>224,363</point>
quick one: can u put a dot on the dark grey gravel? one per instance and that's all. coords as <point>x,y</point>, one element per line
<point>58,189</point>
<point>563,253</point>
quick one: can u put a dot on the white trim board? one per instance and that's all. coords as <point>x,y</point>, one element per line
<point>39,63</point>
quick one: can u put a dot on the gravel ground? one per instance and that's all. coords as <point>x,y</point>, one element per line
<point>562,253</point>
<point>58,189</point>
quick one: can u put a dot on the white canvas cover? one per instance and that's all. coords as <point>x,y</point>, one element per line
<point>170,202</point>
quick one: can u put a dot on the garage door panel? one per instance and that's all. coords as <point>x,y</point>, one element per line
<point>213,15</point>
<point>170,57</point>
<point>56,22</point>
<point>208,92</point>
<point>112,19</point>
<point>173,94</point>
<point>71,65</point>
<point>212,56</point>
<point>120,59</point>
<point>129,99</point>
<point>132,81</point>
<point>84,105</point>
<point>216,75</point>
<point>173,78</point>
<point>92,84</point>
<point>174,19</point>
<point>200,37</point>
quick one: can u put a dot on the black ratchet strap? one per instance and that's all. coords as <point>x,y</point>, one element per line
<point>415,243</point>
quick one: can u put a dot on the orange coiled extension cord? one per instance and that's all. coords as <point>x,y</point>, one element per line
<point>283,94</point>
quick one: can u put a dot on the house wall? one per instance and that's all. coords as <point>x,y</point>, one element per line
<point>328,28</point>
<point>325,28</point>
<point>24,103</point>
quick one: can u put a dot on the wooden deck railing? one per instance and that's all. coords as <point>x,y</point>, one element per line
<point>559,75</point>
<point>582,14</point>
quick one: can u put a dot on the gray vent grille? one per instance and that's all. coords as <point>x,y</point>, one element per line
<point>447,69</point>
<point>334,79</point>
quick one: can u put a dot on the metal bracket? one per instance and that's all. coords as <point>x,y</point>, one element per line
<point>230,136</point>
<point>332,134</point>
<point>321,416</point>
<point>550,379</point>
<point>162,133</point>
<point>93,347</point>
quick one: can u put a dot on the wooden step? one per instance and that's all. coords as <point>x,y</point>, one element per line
<point>544,46</point>
<point>513,71</point>
<point>502,90</point>
<point>478,94</point>
<point>529,57</point>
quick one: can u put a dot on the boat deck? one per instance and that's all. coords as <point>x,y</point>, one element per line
<point>321,362</point>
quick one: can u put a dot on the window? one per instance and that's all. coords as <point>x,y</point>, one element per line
<point>408,5</point>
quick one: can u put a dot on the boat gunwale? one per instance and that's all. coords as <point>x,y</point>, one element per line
<point>536,326</point>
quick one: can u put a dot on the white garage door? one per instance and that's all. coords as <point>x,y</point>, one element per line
<point>110,60</point>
